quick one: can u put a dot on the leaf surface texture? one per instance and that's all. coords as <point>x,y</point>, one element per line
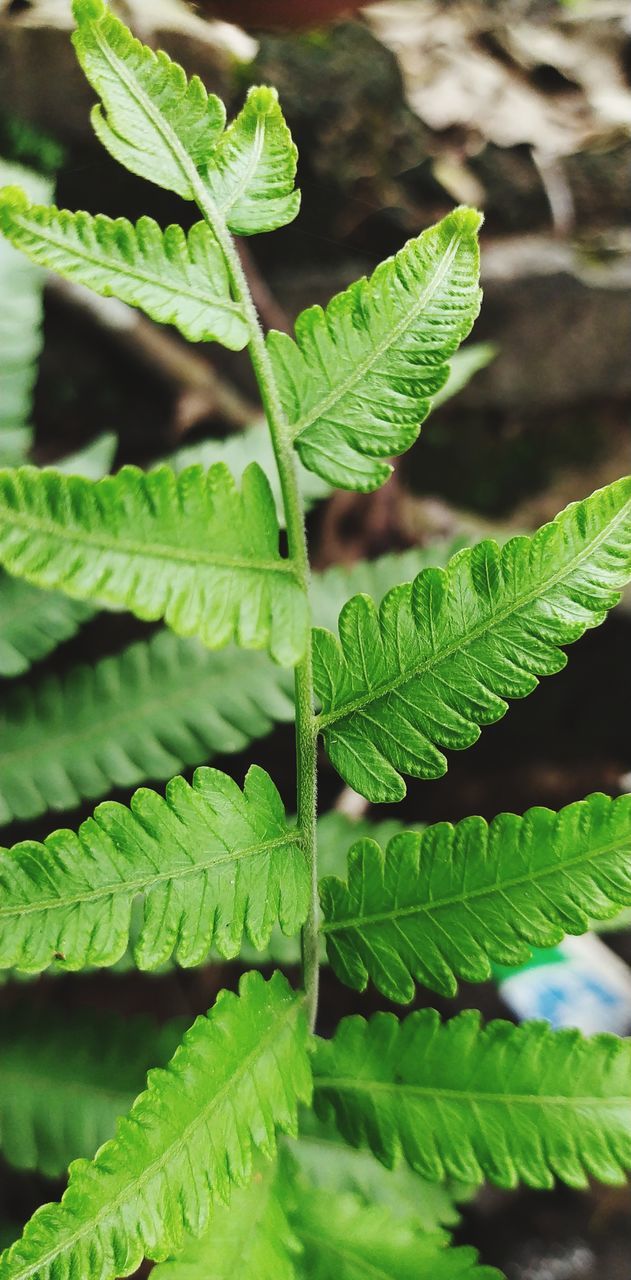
<point>358,380</point>
<point>462,1101</point>
<point>187,1142</point>
<point>442,653</point>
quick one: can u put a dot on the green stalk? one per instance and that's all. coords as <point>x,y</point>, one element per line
<point>306,730</point>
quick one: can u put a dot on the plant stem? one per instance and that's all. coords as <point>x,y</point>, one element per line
<point>306,731</point>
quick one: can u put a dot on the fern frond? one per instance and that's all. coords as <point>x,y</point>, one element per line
<point>358,380</point>
<point>444,904</point>
<point>189,1139</point>
<point>463,1101</point>
<point>250,1239</point>
<point>252,172</point>
<point>443,652</point>
<point>161,704</point>
<point>21,287</point>
<point>152,119</point>
<point>177,278</point>
<point>329,1163</point>
<point>65,1080</point>
<point>191,549</point>
<point>348,1239</point>
<point>210,863</point>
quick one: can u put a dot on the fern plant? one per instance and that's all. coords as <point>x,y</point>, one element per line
<point>259,1148</point>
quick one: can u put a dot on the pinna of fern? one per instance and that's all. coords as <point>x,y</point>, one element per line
<point>209,1172</point>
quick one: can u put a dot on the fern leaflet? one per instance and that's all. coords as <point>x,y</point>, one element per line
<point>252,172</point>
<point>65,1081</point>
<point>191,549</point>
<point>188,1140</point>
<point>443,652</point>
<point>446,903</point>
<point>177,278</point>
<point>463,1101</point>
<point>358,381</point>
<point>250,1238</point>
<point>348,1239</point>
<point>211,862</point>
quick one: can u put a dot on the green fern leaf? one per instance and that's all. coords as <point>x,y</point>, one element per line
<point>238,452</point>
<point>211,862</point>
<point>21,287</point>
<point>64,1081</point>
<point>249,1240</point>
<point>461,1101</point>
<point>252,171</point>
<point>160,705</point>
<point>463,366</point>
<point>329,1163</point>
<point>443,652</point>
<point>191,549</point>
<point>348,1239</point>
<point>177,278</point>
<point>152,120</point>
<point>444,904</point>
<point>358,381</point>
<point>34,622</point>
<point>235,1080</point>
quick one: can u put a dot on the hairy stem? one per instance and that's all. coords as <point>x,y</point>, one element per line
<point>306,731</point>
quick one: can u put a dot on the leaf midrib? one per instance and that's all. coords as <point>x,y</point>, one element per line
<point>230,1086</point>
<point>354,1084</point>
<point>498,887</point>
<point>360,370</point>
<point>144,883</point>
<point>126,547</point>
<point>494,621</point>
<point>121,265</point>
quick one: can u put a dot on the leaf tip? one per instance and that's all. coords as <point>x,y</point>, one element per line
<point>466,220</point>
<point>12,200</point>
<point>88,10</point>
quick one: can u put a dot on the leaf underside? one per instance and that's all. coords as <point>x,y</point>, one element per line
<point>462,1101</point>
<point>446,903</point>
<point>176,278</point>
<point>358,380</point>
<point>168,129</point>
<point>210,863</point>
<point>443,653</point>
<point>190,549</point>
<point>188,1141</point>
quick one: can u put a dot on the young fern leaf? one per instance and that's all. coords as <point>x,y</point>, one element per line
<point>358,381</point>
<point>351,1240</point>
<point>210,862</point>
<point>188,1141</point>
<point>190,549</point>
<point>65,1081</point>
<point>252,172</point>
<point>152,120</point>
<point>463,1101</point>
<point>177,278</point>
<point>444,904</point>
<point>251,1238</point>
<point>443,652</point>
<point>169,130</point>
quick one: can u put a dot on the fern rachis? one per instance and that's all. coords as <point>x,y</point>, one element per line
<point>200,1176</point>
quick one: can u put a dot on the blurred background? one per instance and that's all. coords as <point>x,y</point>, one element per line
<point>400,109</point>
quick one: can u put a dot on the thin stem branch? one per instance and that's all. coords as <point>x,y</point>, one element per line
<point>306,732</point>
